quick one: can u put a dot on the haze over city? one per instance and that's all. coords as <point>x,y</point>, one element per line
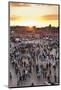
<point>39,15</point>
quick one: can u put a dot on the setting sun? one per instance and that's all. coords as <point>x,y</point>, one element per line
<point>30,23</point>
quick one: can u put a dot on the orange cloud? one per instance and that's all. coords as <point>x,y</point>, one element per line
<point>14,18</point>
<point>19,4</point>
<point>50,17</point>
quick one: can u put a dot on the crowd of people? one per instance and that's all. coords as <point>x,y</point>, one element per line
<point>39,58</point>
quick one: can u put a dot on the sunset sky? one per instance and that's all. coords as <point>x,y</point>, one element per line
<point>39,15</point>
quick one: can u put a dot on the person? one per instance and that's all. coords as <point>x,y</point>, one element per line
<point>26,73</point>
<point>48,78</point>
<point>49,66</point>
<point>30,70</point>
<point>37,68</point>
<point>16,70</point>
<point>55,78</point>
<point>54,67</point>
<point>13,63</point>
<point>23,74</point>
<point>10,75</point>
<point>18,82</point>
<point>18,78</point>
<point>41,66</point>
<point>50,72</point>
<point>32,84</point>
<point>44,72</point>
<point>24,63</point>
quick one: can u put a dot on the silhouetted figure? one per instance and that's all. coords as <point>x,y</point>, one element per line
<point>24,76</point>
<point>24,63</point>
<point>10,75</point>
<point>48,78</point>
<point>37,68</point>
<point>55,78</point>
<point>32,84</point>
<point>54,67</point>
<point>16,70</point>
<point>47,66</point>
